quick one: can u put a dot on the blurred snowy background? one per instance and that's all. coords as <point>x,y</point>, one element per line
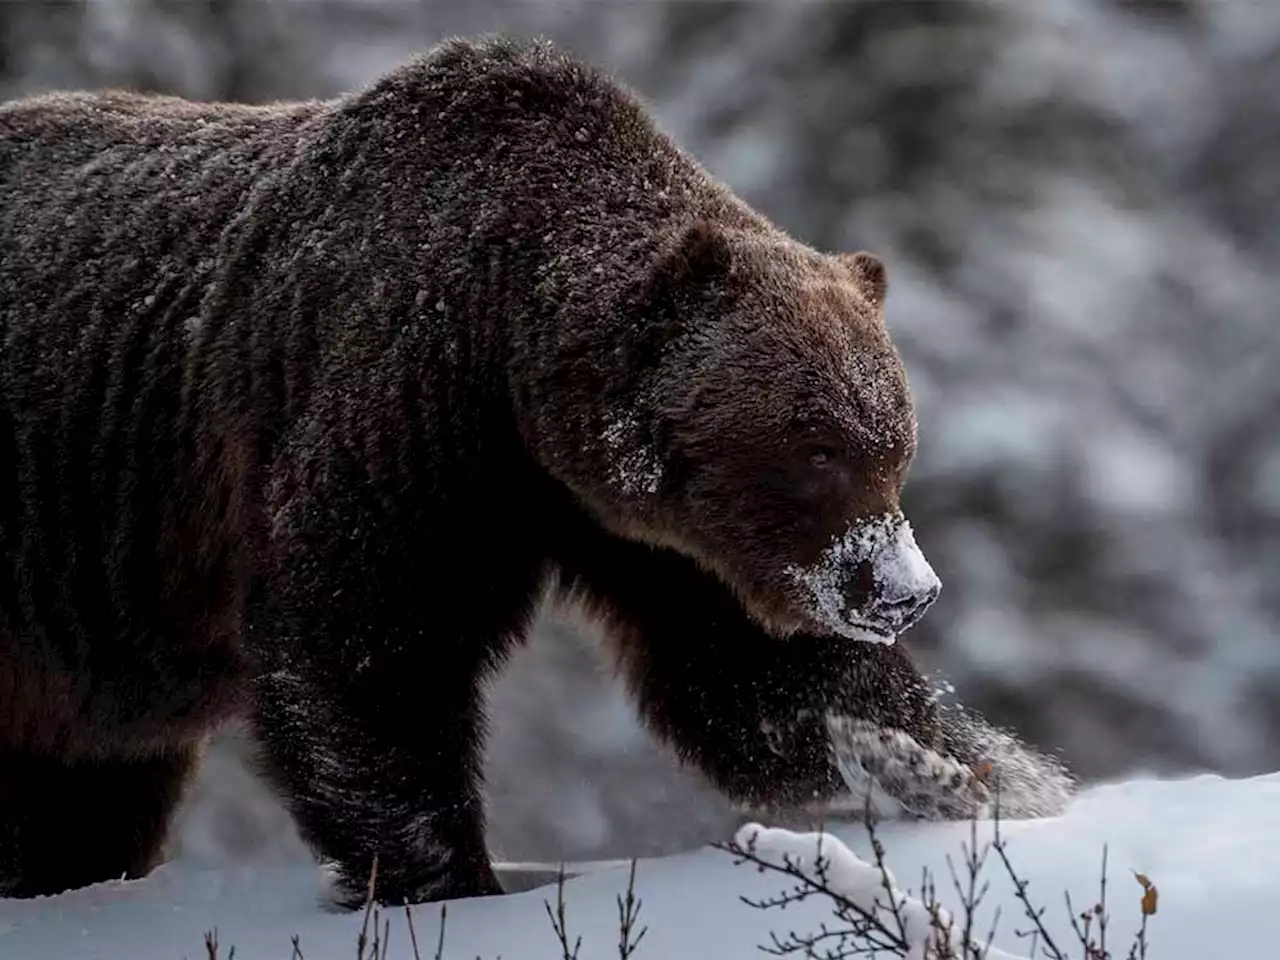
<point>1079,201</point>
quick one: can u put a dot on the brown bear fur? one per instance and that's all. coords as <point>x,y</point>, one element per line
<point>302,405</point>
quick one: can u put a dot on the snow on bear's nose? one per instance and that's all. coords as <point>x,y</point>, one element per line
<point>902,583</point>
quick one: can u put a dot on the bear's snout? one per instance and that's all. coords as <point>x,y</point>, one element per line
<point>904,585</point>
<point>873,583</point>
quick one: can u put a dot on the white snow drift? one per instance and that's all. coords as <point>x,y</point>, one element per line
<point>1210,845</point>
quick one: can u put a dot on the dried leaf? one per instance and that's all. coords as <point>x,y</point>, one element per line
<point>1149,901</point>
<point>1150,896</point>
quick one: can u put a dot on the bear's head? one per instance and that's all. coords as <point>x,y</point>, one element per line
<point>764,428</point>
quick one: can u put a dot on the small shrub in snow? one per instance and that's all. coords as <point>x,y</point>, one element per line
<point>874,916</point>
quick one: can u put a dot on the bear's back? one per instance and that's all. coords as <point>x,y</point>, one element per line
<point>44,136</point>
<point>110,201</point>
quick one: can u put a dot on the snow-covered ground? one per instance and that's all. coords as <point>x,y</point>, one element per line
<point>1210,845</point>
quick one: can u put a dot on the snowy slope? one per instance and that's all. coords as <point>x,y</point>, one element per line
<point>1211,845</point>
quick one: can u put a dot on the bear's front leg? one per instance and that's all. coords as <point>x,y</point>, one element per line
<point>764,718</point>
<point>382,612</point>
<point>377,770</point>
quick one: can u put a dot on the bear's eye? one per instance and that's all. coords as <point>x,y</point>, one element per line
<point>823,457</point>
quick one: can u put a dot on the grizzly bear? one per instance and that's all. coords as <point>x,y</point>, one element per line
<point>303,406</point>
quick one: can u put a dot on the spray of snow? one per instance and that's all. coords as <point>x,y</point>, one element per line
<point>1030,784</point>
<point>899,571</point>
<point>823,859</point>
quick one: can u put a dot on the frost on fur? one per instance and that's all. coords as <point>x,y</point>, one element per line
<point>634,468</point>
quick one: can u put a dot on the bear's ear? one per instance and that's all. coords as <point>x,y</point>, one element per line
<point>869,273</point>
<point>702,252</point>
<point>698,255</point>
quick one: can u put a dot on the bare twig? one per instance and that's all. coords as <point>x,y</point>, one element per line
<point>1038,934</point>
<point>558,923</point>
<point>1082,921</point>
<point>380,944</point>
<point>413,934</point>
<point>211,946</point>
<point>628,912</point>
<point>1103,918</point>
<point>991,935</point>
<point>886,881</point>
<point>362,941</point>
<point>970,893</point>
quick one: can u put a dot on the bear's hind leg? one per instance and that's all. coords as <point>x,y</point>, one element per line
<point>70,822</point>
